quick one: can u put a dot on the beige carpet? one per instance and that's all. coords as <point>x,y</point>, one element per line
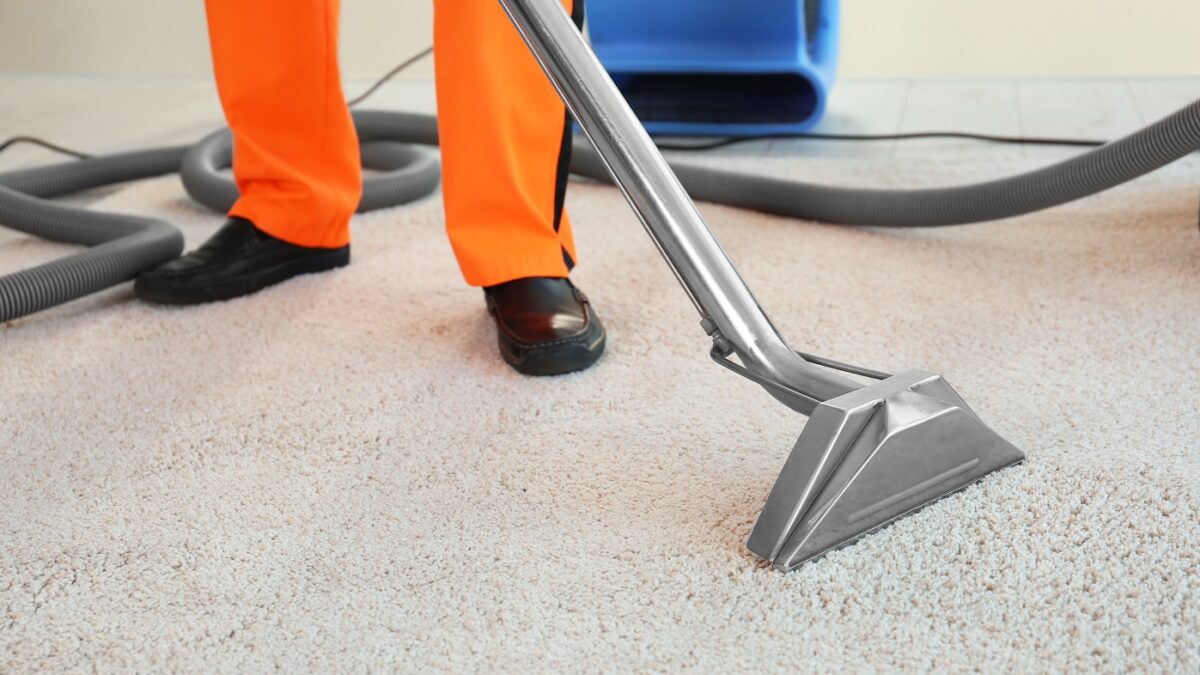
<point>340,475</point>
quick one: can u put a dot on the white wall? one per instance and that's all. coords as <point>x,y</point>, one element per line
<point>1023,38</point>
<point>880,38</point>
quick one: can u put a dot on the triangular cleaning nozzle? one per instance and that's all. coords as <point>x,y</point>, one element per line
<point>869,457</point>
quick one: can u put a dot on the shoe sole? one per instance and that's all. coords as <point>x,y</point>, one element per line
<point>162,292</point>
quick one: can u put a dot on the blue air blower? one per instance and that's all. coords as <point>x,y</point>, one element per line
<point>719,67</point>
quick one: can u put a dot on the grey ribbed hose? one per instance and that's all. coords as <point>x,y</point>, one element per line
<point>1120,161</point>
<point>406,173</point>
<point>122,245</point>
<point>125,245</point>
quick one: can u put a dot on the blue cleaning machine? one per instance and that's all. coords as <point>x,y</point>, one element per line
<point>719,67</point>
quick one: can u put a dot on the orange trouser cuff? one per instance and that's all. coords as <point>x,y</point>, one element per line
<point>505,138</point>
<point>295,152</point>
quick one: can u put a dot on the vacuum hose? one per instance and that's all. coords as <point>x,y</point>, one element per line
<point>124,245</point>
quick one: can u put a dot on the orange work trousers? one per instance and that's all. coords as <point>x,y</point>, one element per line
<point>504,132</point>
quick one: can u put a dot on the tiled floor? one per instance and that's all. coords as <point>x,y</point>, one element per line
<point>99,114</point>
<point>102,114</point>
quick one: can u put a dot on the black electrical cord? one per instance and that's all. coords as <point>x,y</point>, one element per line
<point>390,74</point>
<point>710,145</point>
<point>33,140</point>
<point>685,146</point>
<point>991,138</point>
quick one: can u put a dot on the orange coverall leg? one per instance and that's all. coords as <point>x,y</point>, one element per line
<point>506,142</point>
<point>295,153</point>
<point>504,133</point>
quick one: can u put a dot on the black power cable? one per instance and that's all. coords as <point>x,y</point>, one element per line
<point>401,67</point>
<point>404,65</point>
<point>710,145</point>
<point>685,146</point>
<point>33,140</point>
<point>905,136</point>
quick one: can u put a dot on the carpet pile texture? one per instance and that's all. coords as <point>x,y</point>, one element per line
<point>339,473</point>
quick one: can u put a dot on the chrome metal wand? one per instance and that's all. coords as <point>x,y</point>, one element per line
<point>728,309</point>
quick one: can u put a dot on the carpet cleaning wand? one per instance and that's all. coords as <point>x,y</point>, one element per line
<point>868,454</point>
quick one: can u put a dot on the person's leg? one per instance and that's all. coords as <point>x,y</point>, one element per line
<point>506,140</point>
<point>295,151</point>
<point>296,160</point>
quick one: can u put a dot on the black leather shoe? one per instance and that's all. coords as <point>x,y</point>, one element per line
<point>238,260</point>
<point>546,326</point>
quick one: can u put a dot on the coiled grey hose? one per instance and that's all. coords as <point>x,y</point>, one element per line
<point>406,172</point>
<point>1120,161</point>
<point>125,245</point>
<point>121,245</point>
